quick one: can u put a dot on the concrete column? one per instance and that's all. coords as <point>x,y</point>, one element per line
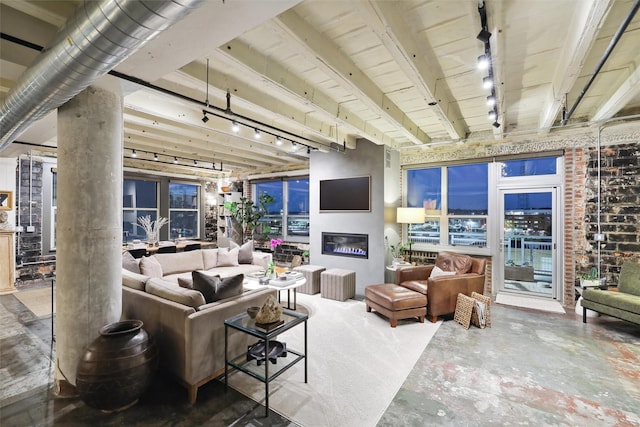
<point>89,224</point>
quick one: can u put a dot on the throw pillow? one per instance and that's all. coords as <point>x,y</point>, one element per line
<point>149,266</point>
<point>185,283</point>
<point>130,263</point>
<point>245,253</point>
<point>227,257</point>
<point>437,272</point>
<point>213,288</point>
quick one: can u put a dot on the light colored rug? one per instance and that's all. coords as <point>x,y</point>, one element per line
<point>356,365</point>
<point>534,303</point>
<point>37,300</point>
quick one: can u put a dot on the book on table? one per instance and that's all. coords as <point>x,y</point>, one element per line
<point>266,327</point>
<point>282,281</point>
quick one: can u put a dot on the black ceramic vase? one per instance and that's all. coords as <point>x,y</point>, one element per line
<point>116,367</point>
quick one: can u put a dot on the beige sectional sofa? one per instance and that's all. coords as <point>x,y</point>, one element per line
<point>188,331</point>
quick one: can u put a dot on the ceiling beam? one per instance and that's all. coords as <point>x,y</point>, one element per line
<point>384,19</point>
<point>327,56</point>
<point>262,68</point>
<point>629,89</point>
<point>582,34</point>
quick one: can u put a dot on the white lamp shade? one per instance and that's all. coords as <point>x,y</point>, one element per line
<point>410,215</point>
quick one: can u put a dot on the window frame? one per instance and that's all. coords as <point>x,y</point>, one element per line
<point>284,217</point>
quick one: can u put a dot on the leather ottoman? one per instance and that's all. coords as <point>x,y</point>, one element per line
<point>395,302</point>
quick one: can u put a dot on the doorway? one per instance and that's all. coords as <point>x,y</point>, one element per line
<point>528,257</point>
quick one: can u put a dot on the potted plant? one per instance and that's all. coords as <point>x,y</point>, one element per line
<point>247,214</point>
<point>591,280</point>
<point>397,251</point>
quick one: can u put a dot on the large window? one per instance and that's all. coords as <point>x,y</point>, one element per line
<point>183,210</point>
<point>456,208</point>
<point>139,198</point>
<point>290,207</point>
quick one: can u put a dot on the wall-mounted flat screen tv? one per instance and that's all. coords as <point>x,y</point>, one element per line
<point>345,194</point>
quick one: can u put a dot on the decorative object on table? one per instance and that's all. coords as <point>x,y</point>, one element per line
<point>253,311</point>
<point>592,280</point>
<point>269,312</point>
<point>270,271</point>
<point>4,220</point>
<point>152,228</point>
<point>259,352</point>
<point>396,251</point>
<point>116,368</point>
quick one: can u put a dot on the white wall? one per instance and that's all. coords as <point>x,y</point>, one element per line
<point>366,159</point>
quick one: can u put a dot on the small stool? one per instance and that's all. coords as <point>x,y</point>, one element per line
<point>395,302</point>
<point>312,274</point>
<point>338,284</point>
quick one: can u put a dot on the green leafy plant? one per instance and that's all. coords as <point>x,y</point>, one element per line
<point>247,213</point>
<point>396,250</point>
<point>591,275</point>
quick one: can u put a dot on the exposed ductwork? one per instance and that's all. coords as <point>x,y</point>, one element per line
<point>97,38</point>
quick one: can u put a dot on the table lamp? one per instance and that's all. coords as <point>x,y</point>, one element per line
<point>410,216</point>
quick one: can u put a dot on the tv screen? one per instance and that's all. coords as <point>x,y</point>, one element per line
<point>345,194</point>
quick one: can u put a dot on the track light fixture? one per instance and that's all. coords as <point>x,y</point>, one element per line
<point>492,115</point>
<point>496,125</point>
<point>491,100</point>
<point>235,126</point>
<point>205,119</point>
<point>256,134</point>
<point>484,35</point>
<point>148,156</point>
<point>278,140</point>
<point>487,82</point>
<point>483,62</point>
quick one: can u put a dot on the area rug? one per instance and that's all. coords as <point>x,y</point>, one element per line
<point>38,301</point>
<point>356,365</point>
<point>530,302</point>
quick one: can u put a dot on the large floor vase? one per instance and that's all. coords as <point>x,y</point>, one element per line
<point>116,367</point>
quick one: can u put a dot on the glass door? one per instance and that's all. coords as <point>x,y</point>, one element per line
<point>528,242</point>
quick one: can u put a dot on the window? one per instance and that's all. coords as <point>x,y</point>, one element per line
<point>290,207</point>
<point>139,198</point>
<point>529,167</point>
<point>183,210</point>
<point>455,207</point>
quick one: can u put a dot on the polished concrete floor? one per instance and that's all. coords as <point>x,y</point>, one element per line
<point>529,368</point>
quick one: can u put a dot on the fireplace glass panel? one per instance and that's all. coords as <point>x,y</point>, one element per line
<point>345,244</point>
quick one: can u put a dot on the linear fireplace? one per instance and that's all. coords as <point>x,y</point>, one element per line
<point>345,244</point>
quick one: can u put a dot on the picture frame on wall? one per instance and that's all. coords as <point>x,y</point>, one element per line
<point>6,200</point>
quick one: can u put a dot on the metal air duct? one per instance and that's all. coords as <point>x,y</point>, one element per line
<point>98,37</point>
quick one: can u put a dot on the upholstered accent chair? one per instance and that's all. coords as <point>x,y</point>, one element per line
<point>452,274</point>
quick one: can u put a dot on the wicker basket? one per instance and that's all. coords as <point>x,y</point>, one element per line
<point>475,319</point>
<point>464,309</point>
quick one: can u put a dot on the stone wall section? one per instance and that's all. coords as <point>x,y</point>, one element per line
<point>619,212</point>
<point>31,264</point>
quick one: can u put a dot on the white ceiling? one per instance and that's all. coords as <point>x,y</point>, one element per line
<point>398,73</point>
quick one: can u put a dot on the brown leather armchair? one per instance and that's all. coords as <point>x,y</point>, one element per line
<point>442,291</point>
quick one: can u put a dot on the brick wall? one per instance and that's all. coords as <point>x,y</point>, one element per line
<point>33,264</point>
<point>619,209</point>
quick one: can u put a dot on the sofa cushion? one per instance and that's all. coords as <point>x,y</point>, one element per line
<point>245,253</point>
<point>227,257</point>
<point>437,272</point>
<point>160,288</point>
<point>180,262</point>
<point>149,266</point>
<point>629,281</point>
<point>186,283</point>
<point>459,263</point>
<point>213,288</point>
<point>209,258</point>
<point>130,263</point>
<point>261,259</point>
<point>134,280</point>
